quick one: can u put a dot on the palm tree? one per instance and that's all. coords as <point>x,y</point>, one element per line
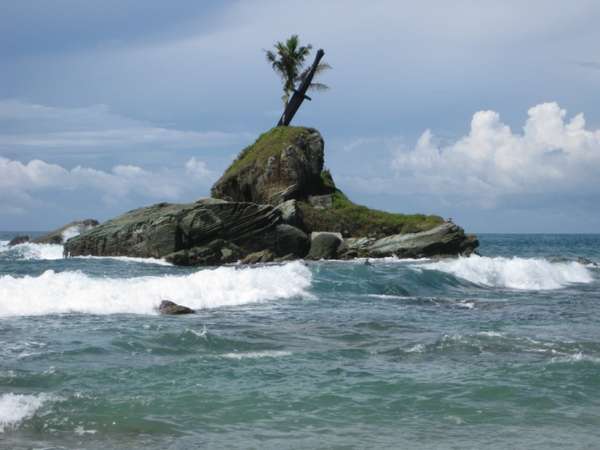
<point>287,61</point>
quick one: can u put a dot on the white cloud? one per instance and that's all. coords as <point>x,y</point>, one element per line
<point>22,184</point>
<point>551,156</point>
<point>196,168</point>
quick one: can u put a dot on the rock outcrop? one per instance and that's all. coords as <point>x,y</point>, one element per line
<point>21,239</point>
<point>208,232</point>
<point>444,240</point>
<point>66,232</point>
<point>324,245</point>
<point>282,164</point>
<point>265,205</point>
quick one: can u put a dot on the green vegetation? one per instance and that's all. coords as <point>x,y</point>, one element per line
<point>270,143</point>
<point>344,216</point>
<point>287,61</point>
<point>328,183</point>
<point>355,220</point>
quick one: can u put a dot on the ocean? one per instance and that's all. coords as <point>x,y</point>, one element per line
<point>497,351</point>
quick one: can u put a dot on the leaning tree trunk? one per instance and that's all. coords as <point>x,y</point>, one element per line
<point>300,93</point>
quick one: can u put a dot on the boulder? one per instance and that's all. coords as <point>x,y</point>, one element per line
<point>168,307</point>
<point>66,232</point>
<point>443,240</point>
<point>204,232</point>
<point>284,163</point>
<point>21,239</point>
<point>324,245</point>
<point>287,240</point>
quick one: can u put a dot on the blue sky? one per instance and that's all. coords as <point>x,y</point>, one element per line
<point>484,111</point>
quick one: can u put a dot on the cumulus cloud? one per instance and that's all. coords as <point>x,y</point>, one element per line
<point>552,155</point>
<point>21,184</point>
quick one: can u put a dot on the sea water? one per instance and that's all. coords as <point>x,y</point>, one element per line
<point>494,351</point>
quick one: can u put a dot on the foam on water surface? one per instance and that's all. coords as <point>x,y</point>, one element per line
<point>15,408</point>
<point>514,273</point>
<point>30,250</point>
<point>75,292</point>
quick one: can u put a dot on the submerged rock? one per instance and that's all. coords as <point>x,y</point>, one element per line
<point>168,307</point>
<point>21,239</point>
<point>66,232</point>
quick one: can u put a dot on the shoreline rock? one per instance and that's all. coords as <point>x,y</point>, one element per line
<point>268,202</point>
<point>20,239</point>
<point>64,233</point>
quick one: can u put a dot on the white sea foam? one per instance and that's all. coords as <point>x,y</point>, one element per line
<point>254,355</point>
<point>65,292</point>
<point>70,232</point>
<point>160,262</point>
<point>576,357</point>
<point>14,408</point>
<point>514,273</point>
<point>29,250</point>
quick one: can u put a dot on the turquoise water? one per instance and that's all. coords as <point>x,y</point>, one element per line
<point>498,351</point>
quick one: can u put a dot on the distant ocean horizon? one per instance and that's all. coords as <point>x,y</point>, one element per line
<point>498,350</point>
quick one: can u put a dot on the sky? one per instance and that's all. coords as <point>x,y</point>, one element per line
<point>483,111</point>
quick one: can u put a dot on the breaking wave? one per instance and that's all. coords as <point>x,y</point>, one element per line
<point>14,408</point>
<point>514,273</point>
<point>75,292</point>
<point>29,250</point>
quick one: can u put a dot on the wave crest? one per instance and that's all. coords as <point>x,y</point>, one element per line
<point>14,408</point>
<point>515,272</point>
<point>30,250</point>
<point>68,292</point>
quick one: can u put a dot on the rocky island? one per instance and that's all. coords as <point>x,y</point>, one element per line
<point>275,202</point>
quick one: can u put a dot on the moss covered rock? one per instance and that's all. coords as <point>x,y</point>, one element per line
<point>283,163</point>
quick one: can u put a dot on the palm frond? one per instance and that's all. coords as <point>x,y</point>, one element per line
<point>322,67</point>
<point>318,87</point>
<point>287,58</point>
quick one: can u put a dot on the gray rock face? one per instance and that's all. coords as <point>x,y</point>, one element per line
<point>214,253</point>
<point>168,307</point>
<point>207,232</point>
<point>22,239</point>
<point>287,240</point>
<point>324,245</point>
<point>291,214</point>
<point>321,201</point>
<point>292,169</point>
<point>263,256</point>
<point>64,233</point>
<point>273,193</point>
<point>445,239</point>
